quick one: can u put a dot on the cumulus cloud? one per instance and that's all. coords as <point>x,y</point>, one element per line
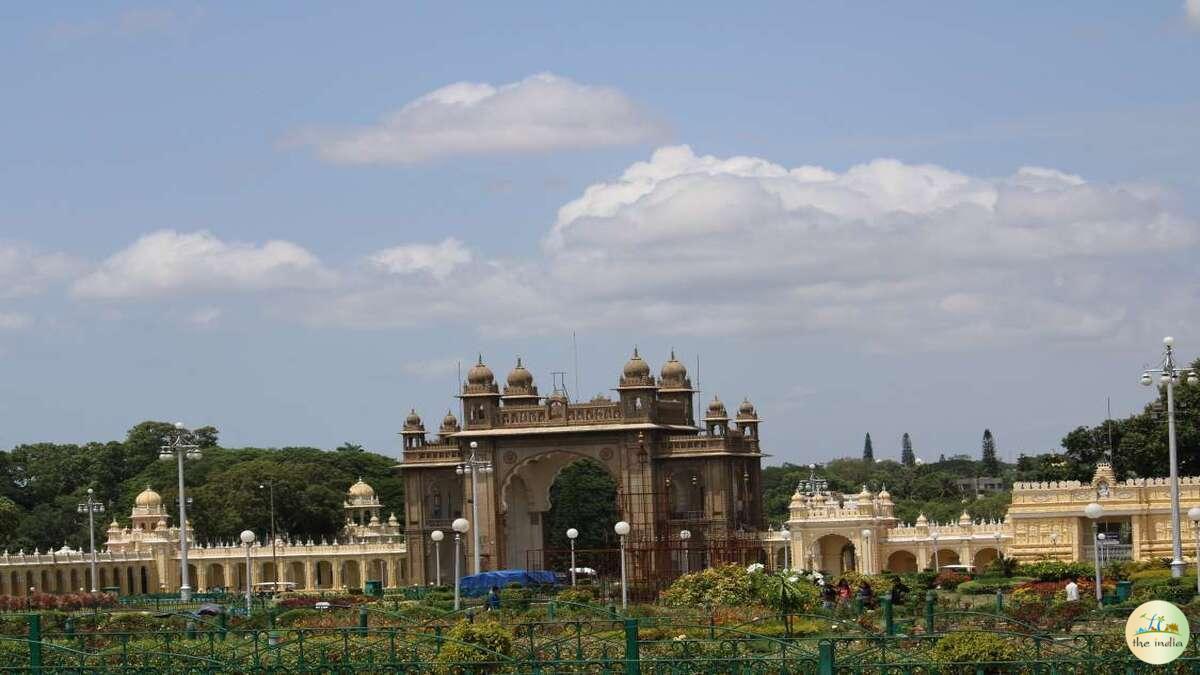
<point>1191,11</point>
<point>439,259</point>
<point>167,262</point>
<point>540,113</point>
<point>25,271</point>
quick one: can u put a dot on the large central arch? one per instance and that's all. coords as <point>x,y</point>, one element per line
<point>525,499</point>
<point>835,554</point>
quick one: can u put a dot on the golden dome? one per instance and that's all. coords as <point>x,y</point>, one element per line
<point>520,377</point>
<point>449,421</point>
<point>635,367</point>
<point>746,409</point>
<point>148,499</point>
<point>413,419</point>
<point>480,374</point>
<point>716,408</point>
<point>361,489</point>
<point>673,369</point>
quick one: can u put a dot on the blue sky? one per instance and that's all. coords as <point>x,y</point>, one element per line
<point>290,220</point>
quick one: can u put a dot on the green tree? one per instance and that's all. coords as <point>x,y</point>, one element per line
<point>868,451</point>
<point>349,447</point>
<point>991,466</point>
<point>584,496</point>
<point>907,456</point>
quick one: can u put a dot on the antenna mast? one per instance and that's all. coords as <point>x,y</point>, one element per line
<point>575,349</point>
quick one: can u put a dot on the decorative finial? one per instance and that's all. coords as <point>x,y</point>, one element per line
<point>519,362</point>
<point>480,363</point>
<point>635,352</point>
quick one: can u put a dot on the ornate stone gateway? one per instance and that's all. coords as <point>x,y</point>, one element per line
<point>672,473</point>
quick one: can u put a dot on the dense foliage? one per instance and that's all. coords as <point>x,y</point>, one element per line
<point>584,496</point>
<point>42,484</point>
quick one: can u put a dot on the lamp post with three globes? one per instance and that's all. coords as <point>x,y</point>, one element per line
<point>178,446</point>
<point>473,467</point>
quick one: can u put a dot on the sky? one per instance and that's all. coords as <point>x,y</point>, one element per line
<point>293,221</point>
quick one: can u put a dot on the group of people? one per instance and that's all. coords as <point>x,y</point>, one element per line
<point>840,594</point>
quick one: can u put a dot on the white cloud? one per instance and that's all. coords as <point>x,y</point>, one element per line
<point>439,260</point>
<point>25,271</point>
<point>540,113</point>
<point>171,263</point>
<point>1191,10</point>
<point>14,321</point>
<point>204,316</point>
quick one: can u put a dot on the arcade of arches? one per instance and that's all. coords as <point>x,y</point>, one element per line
<point>144,557</point>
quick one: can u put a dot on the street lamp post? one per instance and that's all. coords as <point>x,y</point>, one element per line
<point>812,484</point>
<point>1169,376</point>
<point>934,537</point>
<point>572,534</point>
<point>787,547</point>
<point>270,485</point>
<point>460,526</point>
<point>179,446</point>
<point>1094,511</point>
<point>437,536</point>
<point>1194,516</point>
<point>472,467</point>
<point>999,544</point>
<point>92,507</point>
<point>247,538</point>
<point>622,529</point>
<point>866,556</point>
<point>684,535</point>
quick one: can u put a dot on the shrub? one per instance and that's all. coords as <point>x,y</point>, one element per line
<point>580,596</point>
<point>924,580</point>
<point>949,580</point>
<point>1002,567</point>
<point>989,585</point>
<point>1179,591</point>
<point>515,598</point>
<point>482,644</point>
<point>292,617</point>
<point>727,585</point>
<point>786,592</point>
<point>975,647</point>
<point>1055,570</point>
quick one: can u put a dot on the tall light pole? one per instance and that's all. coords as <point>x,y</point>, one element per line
<point>812,484</point>
<point>1169,376</point>
<point>999,545</point>
<point>787,547</point>
<point>1094,511</point>
<point>437,536</point>
<point>177,446</point>
<point>270,485</point>
<point>247,538</point>
<point>934,537</point>
<point>684,535</point>
<point>866,557</point>
<point>622,529</point>
<point>460,525</point>
<point>572,535</point>
<point>1194,516</point>
<point>472,467</point>
<point>92,507</point>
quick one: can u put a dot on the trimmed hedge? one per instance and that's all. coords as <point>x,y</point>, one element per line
<point>990,585</point>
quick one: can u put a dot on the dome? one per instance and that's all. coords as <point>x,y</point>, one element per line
<point>746,409</point>
<point>519,377</point>
<point>480,374</point>
<point>413,419</point>
<point>964,519</point>
<point>922,520</point>
<point>148,499</point>
<point>449,421</point>
<point>361,489</point>
<point>884,494</point>
<point>635,367</point>
<point>716,408</point>
<point>673,370</point>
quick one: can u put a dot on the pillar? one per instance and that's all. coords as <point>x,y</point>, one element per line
<point>309,582</point>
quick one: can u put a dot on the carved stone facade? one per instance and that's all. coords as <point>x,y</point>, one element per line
<point>144,557</point>
<point>1045,520</point>
<point>672,472</point>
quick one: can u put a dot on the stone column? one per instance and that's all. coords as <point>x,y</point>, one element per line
<point>309,582</point>
<point>336,564</point>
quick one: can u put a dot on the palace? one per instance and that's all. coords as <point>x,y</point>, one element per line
<point>144,557</point>
<point>673,472</point>
<point>834,532</point>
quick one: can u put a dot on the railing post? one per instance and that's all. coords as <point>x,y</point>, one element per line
<point>856,605</point>
<point>825,652</point>
<point>999,601</point>
<point>930,596</point>
<point>69,628</point>
<point>633,665</point>
<point>550,610</point>
<point>35,643</point>
<point>362,620</point>
<point>223,622</point>
<point>889,623</point>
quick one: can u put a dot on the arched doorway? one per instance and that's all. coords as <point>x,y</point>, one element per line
<point>584,491</point>
<point>351,575</point>
<point>834,554</point>
<point>295,573</point>
<point>902,561</point>
<point>985,557</point>
<point>324,572</point>
<point>946,556</point>
<point>216,576</point>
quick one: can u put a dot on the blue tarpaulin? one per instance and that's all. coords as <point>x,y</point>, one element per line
<point>480,584</point>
